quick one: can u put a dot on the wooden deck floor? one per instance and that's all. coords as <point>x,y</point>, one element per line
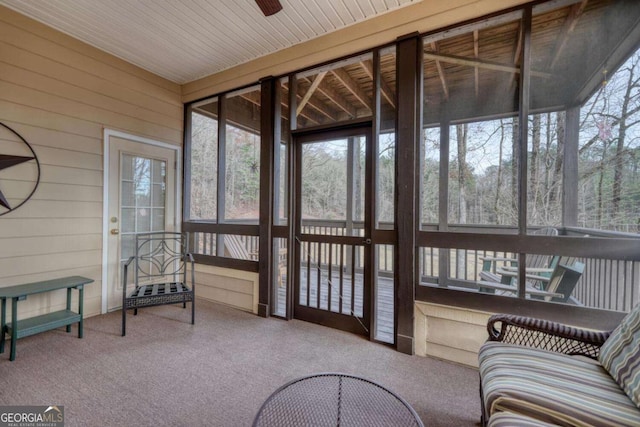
<point>332,299</point>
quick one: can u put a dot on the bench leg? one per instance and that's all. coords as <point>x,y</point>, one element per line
<point>3,323</point>
<point>68,306</point>
<point>193,309</point>
<point>80,310</point>
<point>14,329</point>
<point>124,321</point>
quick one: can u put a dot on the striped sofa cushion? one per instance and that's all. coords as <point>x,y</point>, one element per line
<point>509,419</point>
<point>552,387</point>
<point>620,355</point>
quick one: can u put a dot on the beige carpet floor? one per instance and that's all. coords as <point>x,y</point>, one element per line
<point>166,372</point>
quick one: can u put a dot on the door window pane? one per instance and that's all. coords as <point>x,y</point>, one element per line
<point>142,199</point>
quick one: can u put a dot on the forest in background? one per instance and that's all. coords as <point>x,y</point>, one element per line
<point>482,174</point>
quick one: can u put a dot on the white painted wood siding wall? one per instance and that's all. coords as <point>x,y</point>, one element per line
<point>235,288</point>
<point>59,94</point>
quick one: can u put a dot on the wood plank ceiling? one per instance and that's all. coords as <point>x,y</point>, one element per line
<point>186,40</point>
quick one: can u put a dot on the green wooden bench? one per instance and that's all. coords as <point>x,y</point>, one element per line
<point>34,325</point>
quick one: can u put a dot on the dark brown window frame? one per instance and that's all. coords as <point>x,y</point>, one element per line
<point>408,235</point>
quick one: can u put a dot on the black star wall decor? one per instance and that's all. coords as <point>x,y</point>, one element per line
<point>7,161</point>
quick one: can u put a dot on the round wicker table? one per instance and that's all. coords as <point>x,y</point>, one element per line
<point>334,399</point>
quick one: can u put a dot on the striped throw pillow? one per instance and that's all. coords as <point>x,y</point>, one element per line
<point>620,355</point>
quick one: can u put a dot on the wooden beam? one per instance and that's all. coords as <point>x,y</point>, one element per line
<point>267,139</point>
<point>443,80</point>
<point>307,96</point>
<point>367,66</point>
<point>567,29</point>
<point>336,98</point>
<point>408,52</point>
<point>252,97</point>
<point>320,108</point>
<point>352,86</point>
<point>309,115</point>
<point>518,51</point>
<point>489,65</point>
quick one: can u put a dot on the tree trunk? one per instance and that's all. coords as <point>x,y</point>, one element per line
<point>619,156</point>
<point>515,166</point>
<point>534,190</point>
<point>461,133</point>
<point>599,212</point>
<point>496,200</point>
<point>555,189</point>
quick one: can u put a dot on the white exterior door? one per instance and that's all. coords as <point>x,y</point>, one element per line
<point>141,198</point>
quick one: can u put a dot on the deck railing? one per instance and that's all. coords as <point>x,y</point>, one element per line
<point>604,284</point>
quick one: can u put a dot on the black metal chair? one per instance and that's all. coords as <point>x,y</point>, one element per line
<point>160,274</point>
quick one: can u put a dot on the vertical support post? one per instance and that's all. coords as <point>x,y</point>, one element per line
<point>570,169</point>
<point>408,123</point>
<point>293,255</point>
<point>186,170</point>
<point>267,141</point>
<point>525,87</point>
<point>371,196</point>
<point>278,220</point>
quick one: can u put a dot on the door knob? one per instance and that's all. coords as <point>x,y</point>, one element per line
<point>115,231</point>
<point>367,241</point>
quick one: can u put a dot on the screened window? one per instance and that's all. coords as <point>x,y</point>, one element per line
<point>470,97</point>
<point>204,161</point>
<point>242,156</point>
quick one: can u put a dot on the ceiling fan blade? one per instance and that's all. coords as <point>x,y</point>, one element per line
<point>269,7</point>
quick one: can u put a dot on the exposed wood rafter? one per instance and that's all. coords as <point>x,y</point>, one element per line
<point>328,91</point>
<point>489,65</point>
<point>475,55</point>
<point>367,66</point>
<point>443,80</point>
<point>252,97</point>
<point>307,96</point>
<point>352,86</point>
<point>309,115</point>
<point>518,51</point>
<point>569,25</point>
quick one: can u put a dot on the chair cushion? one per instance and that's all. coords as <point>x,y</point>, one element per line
<point>620,355</point>
<point>552,387</point>
<point>509,419</point>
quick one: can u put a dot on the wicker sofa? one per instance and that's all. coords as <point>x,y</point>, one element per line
<point>536,372</point>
